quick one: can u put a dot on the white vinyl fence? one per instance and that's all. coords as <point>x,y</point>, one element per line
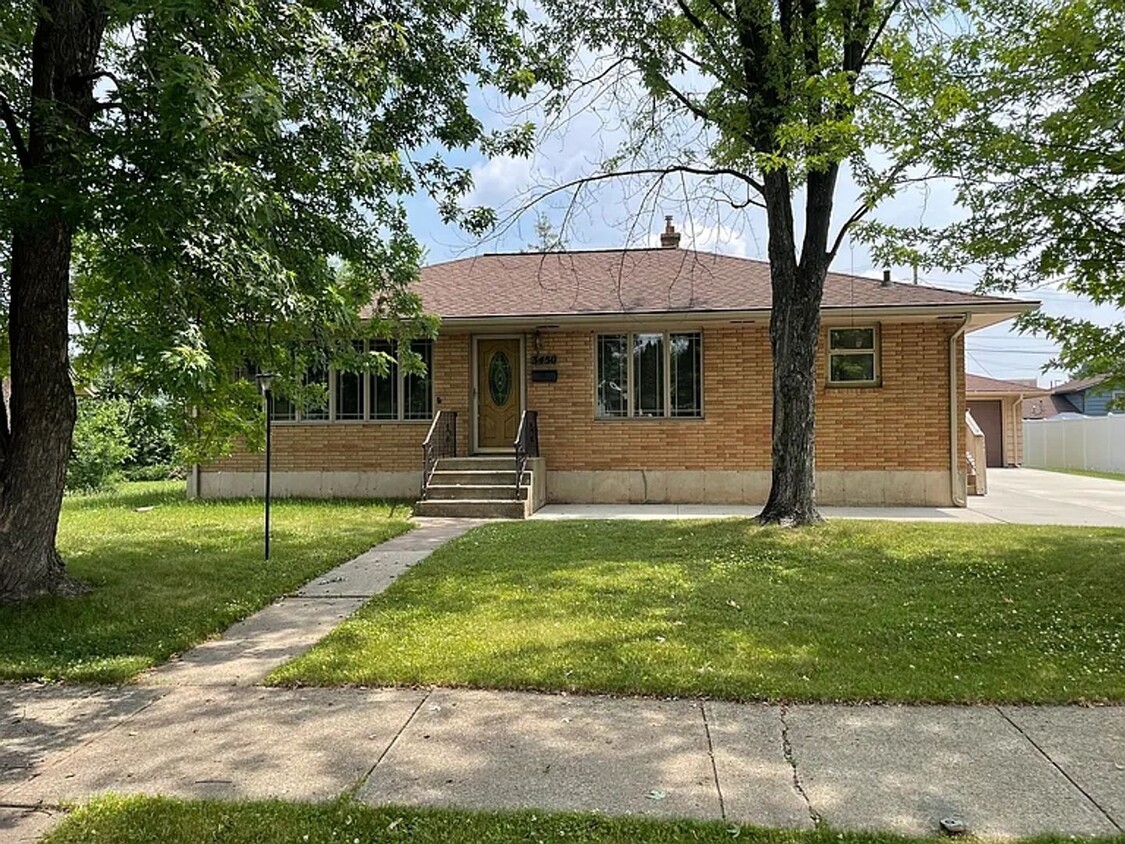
<point>1094,443</point>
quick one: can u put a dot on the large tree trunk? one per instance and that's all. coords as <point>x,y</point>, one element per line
<point>794,330</point>
<point>797,288</point>
<point>35,441</point>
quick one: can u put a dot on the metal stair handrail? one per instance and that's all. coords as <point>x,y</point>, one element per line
<point>527,443</point>
<point>440,442</point>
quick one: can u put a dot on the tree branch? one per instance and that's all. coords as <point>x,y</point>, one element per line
<point>709,36</point>
<point>721,11</point>
<point>695,109</point>
<point>12,123</point>
<point>878,34</point>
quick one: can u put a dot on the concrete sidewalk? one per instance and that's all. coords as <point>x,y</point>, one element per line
<point>1005,770</point>
<point>198,727</point>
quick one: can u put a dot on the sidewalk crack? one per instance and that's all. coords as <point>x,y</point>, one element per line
<point>351,792</point>
<point>711,753</point>
<point>787,750</point>
<point>1059,768</point>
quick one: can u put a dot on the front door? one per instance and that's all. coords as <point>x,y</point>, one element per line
<point>499,382</point>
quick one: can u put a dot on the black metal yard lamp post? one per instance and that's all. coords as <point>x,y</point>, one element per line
<point>265,381</point>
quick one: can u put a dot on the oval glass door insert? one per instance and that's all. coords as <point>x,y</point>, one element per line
<point>500,379</point>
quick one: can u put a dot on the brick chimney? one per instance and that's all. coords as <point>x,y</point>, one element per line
<point>669,238</point>
<point>886,278</point>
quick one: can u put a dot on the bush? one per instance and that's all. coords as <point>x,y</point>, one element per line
<point>152,437</point>
<point>152,472</point>
<point>100,446</point>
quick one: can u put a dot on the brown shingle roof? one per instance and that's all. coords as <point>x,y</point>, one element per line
<point>642,281</point>
<point>1044,407</point>
<point>982,384</point>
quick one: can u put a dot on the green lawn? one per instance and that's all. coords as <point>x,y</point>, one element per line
<point>1109,476</point>
<point>168,573</point>
<point>144,820</point>
<point>847,611</point>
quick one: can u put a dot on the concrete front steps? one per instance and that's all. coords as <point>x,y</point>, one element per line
<point>479,488</point>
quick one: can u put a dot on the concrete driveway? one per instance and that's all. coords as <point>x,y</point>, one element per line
<point>1016,496</point>
<point>1035,497</point>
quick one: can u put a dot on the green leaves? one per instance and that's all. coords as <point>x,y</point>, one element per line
<point>1037,155</point>
<point>239,196</point>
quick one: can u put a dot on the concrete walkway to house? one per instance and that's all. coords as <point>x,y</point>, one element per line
<point>199,728</point>
<point>1015,496</point>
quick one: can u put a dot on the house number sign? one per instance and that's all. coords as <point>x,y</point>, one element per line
<point>544,360</point>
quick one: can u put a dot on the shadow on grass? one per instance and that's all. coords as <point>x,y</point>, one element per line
<point>854,611</point>
<point>165,578</point>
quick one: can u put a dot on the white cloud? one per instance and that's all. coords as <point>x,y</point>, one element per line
<point>499,180</point>
<point>719,238</point>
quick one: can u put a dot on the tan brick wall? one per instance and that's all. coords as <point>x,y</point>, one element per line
<point>901,424</point>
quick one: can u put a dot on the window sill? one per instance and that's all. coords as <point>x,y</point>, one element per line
<point>853,385</point>
<point>313,423</point>
<point>649,418</point>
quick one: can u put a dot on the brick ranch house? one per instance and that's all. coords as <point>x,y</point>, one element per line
<point>648,374</point>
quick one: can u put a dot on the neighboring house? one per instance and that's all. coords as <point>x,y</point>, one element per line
<point>649,373</point>
<point>1082,395</point>
<point>997,407</point>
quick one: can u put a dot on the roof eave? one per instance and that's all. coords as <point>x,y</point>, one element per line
<point>982,314</point>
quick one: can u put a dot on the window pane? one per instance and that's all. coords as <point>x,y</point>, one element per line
<point>283,410</point>
<point>648,374</point>
<point>686,353</point>
<point>853,367</point>
<point>316,410</point>
<point>384,388</point>
<point>349,391</point>
<point>613,374</point>
<point>851,338</point>
<point>417,389</point>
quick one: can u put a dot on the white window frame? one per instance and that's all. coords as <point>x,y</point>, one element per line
<point>367,419</point>
<point>630,412</point>
<point>876,370</point>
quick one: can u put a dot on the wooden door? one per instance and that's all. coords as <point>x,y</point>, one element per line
<point>990,418</point>
<point>499,383</point>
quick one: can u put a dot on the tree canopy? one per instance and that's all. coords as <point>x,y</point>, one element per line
<point>238,191</point>
<point>200,185</point>
<point>1037,160</point>
<point>766,103</point>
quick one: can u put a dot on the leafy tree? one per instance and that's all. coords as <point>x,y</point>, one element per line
<point>1038,161</point>
<point>100,445</point>
<point>224,181</point>
<point>766,100</point>
<point>548,239</point>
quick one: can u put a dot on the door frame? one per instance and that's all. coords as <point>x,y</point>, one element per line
<point>474,386</point>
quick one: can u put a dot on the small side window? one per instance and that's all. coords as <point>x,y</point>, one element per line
<point>852,356</point>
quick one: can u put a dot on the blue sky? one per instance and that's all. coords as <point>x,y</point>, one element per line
<point>614,216</point>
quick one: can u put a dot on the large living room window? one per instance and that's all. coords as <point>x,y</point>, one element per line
<point>649,375</point>
<point>394,396</point>
<point>399,395</point>
<point>852,356</point>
